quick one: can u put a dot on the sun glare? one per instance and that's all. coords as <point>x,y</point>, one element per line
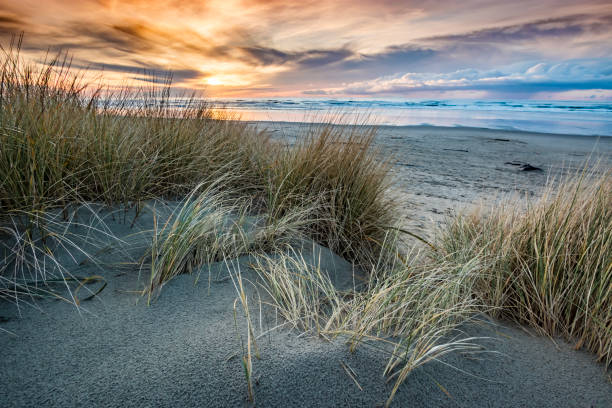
<point>215,81</point>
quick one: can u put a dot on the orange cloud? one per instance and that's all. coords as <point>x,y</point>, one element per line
<point>274,47</point>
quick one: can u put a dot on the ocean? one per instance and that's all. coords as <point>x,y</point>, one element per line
<point>564,117</point>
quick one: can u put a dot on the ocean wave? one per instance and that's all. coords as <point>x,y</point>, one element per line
<point>307,104</point>
<point>569,117</point>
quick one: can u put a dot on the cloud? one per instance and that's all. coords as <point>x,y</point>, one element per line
<point>10,24</point>
<point>480,50</point>
<point>259,55</point>
<point>138,37</point>
<point>149,73</point>
<point>317,58</point>
<point>6,20</point>
<point>391,59</point>
<point>305,47</point>
<point>518,78</point>
<point>567,26</point>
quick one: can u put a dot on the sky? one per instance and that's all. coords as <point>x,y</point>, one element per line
<point>546,49</point>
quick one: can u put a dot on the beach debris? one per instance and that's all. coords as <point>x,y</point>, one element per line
<point>497,139</point>
<point>444,390</point>
<point>86,281</point>
<point>35,289</point>
<point>529,167</point>
<point>524,166</point>
<point>458,150</point>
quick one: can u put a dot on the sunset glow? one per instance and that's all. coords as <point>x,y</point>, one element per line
<point>252,48</point>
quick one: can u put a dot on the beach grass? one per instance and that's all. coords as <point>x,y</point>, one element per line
<point>409,309</point>
<point>36,264</point>
<point>198,232</point>
<point>66,141</point>
<point>338,168</point>
<point>549,262</point>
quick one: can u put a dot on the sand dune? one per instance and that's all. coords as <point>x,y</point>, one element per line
<point>184,349</point>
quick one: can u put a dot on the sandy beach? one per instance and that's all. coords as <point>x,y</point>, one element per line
<point>442,170</point>
<point>183,349</point>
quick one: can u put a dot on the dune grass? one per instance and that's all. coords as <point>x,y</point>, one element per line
<point>411,307</point>
<point>549,264</point>
<point>65,141</point>
<point>199,232</point>
<point>337,167</point>
<point>36,263</point>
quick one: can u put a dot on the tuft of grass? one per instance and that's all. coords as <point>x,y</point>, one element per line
<point>206,228</point>
<point>338,168</point>
<point>411,304</point>
<point>416,305</point>
<point>549,264</point>
<point>251,342</point>
<point>66,141</point>
<point>37,263</point>
<point>303,293</point>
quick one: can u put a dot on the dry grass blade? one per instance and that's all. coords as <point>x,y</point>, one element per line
<point>549,264</point>
<point>351,374</point>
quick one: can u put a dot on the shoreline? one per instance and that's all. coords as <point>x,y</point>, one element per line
<point>516,132</point>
